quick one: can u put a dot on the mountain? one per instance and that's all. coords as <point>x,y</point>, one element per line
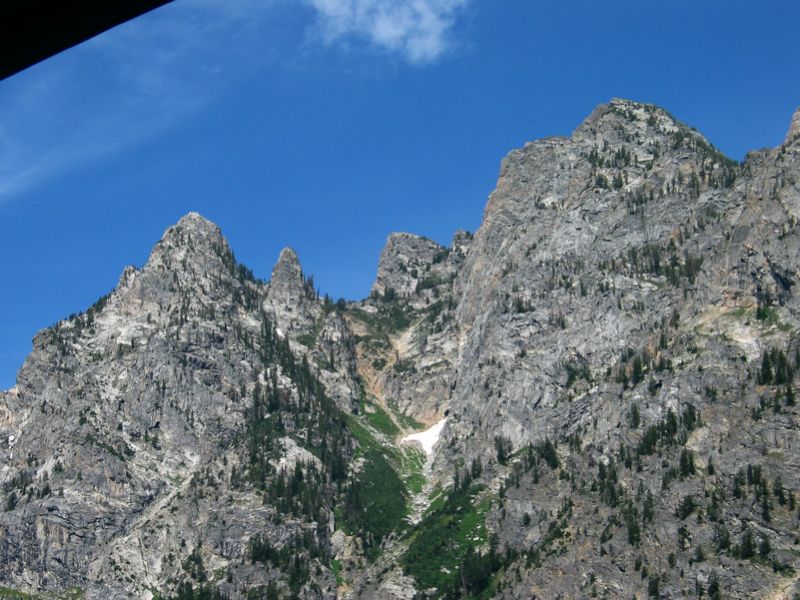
<point>602,379</point>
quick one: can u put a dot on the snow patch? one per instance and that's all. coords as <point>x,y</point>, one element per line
<point>428,438</point>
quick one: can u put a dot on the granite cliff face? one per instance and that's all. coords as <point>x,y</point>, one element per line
<point>610,359</point>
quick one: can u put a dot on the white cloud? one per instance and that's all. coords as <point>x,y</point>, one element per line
<point>418,29</point>
<point>141,78</point>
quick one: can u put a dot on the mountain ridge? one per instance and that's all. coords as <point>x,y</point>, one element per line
<point>614,349</point>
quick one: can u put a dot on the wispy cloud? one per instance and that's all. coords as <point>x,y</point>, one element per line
<point>420,30</point>
<point>122,87</point>
<point>145,76</point>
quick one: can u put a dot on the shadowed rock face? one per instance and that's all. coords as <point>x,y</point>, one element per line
<point>614,349</point>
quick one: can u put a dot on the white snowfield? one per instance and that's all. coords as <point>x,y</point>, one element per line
<point>428,438</point>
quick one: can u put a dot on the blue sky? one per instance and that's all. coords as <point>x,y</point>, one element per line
<point>327,124</point>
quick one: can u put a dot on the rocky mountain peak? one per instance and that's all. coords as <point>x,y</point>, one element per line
<point>403,262</point>
<point>194,219</point>
<point>194,224</point>
<point>291,298</point>
<point>399,243</point>
<point>287,282</point>
<point>622,153</point>
<point>189,269</point>
<point>193,238</point>
<point>287,269</point>
<point>637,123</point>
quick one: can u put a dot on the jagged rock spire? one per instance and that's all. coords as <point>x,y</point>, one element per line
<point>290,297</point>
<point>288,284</point>
<point>287,272</point>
